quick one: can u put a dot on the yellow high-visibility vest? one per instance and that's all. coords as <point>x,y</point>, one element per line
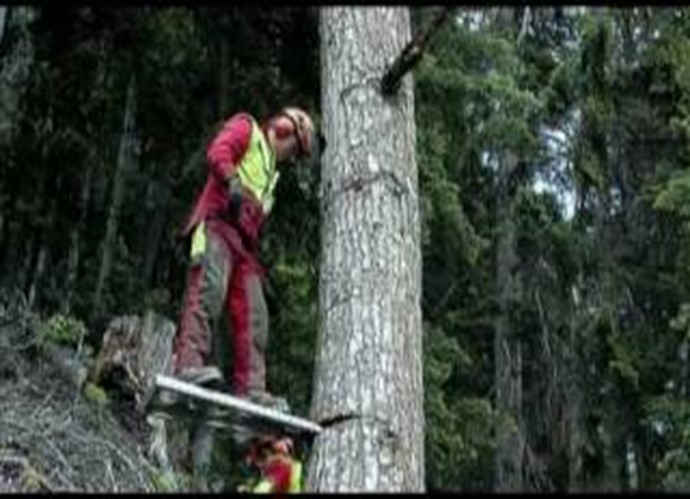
<point>257,170</point>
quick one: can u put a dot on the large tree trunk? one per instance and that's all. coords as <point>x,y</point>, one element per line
<point>126,156</point>
<point>368,379</point>
<point>507,349</point>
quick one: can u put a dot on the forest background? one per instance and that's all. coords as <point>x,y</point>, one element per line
<point>554,191</point>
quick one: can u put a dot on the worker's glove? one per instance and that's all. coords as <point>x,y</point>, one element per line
<point>235,197</point>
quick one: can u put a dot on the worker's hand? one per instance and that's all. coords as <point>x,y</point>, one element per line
<point>235,196</point>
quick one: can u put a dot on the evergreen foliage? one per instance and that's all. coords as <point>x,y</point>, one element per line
<point>595,103</point>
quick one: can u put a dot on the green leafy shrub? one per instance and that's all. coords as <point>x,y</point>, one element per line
<point>62,330</point>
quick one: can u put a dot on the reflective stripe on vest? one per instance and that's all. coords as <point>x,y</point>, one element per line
<point>258,169</point>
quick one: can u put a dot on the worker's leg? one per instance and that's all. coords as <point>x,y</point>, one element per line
<point>207,282</point>
<point>209,274</point>
<point>249,323</point>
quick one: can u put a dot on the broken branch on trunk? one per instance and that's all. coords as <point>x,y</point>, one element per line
<point>411,54</point>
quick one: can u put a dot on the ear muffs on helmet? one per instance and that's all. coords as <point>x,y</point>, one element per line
<point>284,126</point>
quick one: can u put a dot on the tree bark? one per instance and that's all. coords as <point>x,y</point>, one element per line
<point>16,66</point>
<point>3,17</point>
<point>368,376</point>
<point>126,156</point>
<point>133,352</point>
<point>14,75</point>
<point>507,348</point>
<point>159,198</point>
<point>38,270</point>
<point>574,399</point>
<point>93,159</point>
<point>74,246</point>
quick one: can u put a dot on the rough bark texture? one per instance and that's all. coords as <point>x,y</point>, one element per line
<point>125,156</point>
<point>15,65</point>
<point>3,16</point>
<point>134,350</point>
<point>93,163</point>
<point>368,379</point>
<point>38,272</point>
<point>159,197</point>
<point>74,251</point>
<point>575,401</point>
<point>507,351</point>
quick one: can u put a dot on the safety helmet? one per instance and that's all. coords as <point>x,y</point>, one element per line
<point>271,444</point>
<point>310,144</point>
<point>283,446</point>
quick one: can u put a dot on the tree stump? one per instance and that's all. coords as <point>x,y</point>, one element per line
<point>133,352</point>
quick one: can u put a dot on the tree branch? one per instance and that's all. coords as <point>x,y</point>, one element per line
<point>411,54</point>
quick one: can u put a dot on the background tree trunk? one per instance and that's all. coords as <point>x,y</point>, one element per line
<point>368,378</point>
<point>507,351</point>
<point>16,65</point>
<point>574,399</point>
<point>125,156</point>
<point>3,17</point>
<point>159,197</point>
<point>14,73</point>
<point>74,246</point>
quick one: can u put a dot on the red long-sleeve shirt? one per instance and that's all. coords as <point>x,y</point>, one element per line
<point>223,156</point>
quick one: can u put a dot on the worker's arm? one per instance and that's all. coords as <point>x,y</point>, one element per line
<point>229,146</point>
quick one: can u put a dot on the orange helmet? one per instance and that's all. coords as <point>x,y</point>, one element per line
<point>283,446</point>
<point>309,143</point>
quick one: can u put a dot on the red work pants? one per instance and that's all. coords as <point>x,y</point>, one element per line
<point>223,278</point>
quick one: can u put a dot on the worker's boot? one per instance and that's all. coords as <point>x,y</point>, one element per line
<point>201,376</point>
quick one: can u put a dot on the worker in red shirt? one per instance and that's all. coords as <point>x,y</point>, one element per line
<point>279,471</point>
<point>225,224</point>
